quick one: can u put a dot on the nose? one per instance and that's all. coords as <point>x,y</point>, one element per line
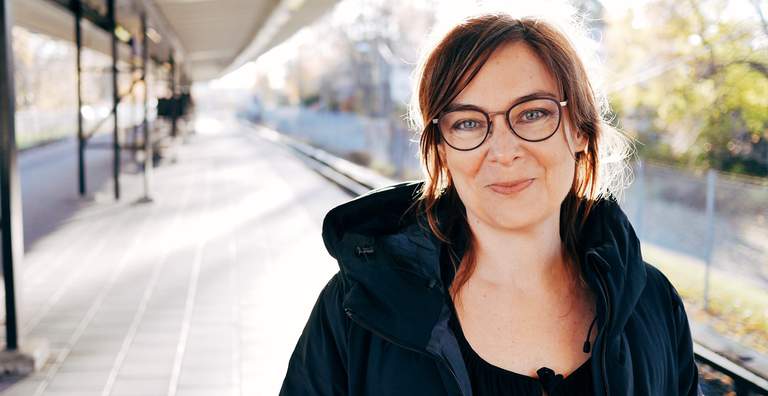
<point>503,145</point>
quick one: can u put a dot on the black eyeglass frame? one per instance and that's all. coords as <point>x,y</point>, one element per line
<point>489,122</point>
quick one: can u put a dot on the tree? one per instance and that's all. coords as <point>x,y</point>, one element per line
<point>700,76</point>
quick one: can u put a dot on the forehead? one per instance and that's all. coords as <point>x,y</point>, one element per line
<point>512,71</point>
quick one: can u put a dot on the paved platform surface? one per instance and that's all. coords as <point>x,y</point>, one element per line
<point>203,292</point>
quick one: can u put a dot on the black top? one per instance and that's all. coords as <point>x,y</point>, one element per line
<point>488,379</point>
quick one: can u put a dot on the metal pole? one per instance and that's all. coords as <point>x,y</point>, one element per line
<point>115,98</point>
<point>10,196</point>
<point>711,182</point>
<point>174,105</point>
<point>144,123</point>
<point>77,5</point>
<point>134,104</point>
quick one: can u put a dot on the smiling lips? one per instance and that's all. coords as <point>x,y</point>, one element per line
<point>512,187</point>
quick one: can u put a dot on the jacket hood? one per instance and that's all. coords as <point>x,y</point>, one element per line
<point>393,261</point>
<point>379,212</point>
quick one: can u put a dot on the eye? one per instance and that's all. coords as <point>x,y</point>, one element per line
<point>466,125</point>
<point>533,115</point>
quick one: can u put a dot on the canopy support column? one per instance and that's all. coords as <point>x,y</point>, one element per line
<point>174,116</point>
<point>10,196</point>
<point>14,360</point>
<point>115,99</point>
<point>77,6</point>
<point>148,160</point>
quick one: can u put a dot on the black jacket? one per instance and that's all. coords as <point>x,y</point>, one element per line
<point>380,325</point>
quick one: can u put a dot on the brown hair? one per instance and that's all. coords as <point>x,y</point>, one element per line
<point>447,70</point>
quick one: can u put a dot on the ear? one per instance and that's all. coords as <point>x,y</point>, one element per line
<point>441,152</point>
<point>443,159</point>
<point>578,140</point>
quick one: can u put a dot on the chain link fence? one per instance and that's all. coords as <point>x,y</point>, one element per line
<point>721,220</point>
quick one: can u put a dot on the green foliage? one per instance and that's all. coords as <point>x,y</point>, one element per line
<point>699,79</point>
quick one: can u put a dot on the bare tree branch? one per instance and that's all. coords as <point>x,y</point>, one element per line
<point>760,14</point>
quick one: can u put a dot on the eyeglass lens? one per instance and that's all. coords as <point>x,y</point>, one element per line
<point>532,120</point>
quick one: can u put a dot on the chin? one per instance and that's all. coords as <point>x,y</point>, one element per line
<point>512,222</point>
<point>516,214</point>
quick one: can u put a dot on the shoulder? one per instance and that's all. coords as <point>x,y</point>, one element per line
<point>330,300</point>
<point>662,301</point>
<point>659,285</point>
<point>328,317</point>
<point>328,324</point>
<point>318,364</point>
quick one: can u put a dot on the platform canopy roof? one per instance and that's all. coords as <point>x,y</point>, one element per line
<point>207,37</point>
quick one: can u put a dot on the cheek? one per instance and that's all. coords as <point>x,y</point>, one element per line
<point>463,166</point>
<point>560,172</point>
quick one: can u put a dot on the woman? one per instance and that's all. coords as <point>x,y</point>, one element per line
<point>511,269</point>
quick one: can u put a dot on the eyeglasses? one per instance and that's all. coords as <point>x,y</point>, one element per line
<point>467,127</point>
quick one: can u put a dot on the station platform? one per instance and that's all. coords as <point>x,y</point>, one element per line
<point>204,291</point>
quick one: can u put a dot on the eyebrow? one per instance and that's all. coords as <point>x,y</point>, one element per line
<point>532,95</point>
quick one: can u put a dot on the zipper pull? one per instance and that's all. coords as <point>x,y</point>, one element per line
<point>364,250</point>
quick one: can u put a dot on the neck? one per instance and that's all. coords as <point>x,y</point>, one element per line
<point>528,260</point>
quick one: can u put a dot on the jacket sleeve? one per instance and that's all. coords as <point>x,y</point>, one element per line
<point>318,365</point>
<point>687,371</point>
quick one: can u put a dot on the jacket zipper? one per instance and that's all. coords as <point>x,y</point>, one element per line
<point>360,323</point>
<point>603,288</point>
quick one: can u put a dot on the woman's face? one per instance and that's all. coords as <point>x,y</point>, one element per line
<point>485,177</point>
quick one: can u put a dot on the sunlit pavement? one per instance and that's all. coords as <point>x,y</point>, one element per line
<point>203,292</point>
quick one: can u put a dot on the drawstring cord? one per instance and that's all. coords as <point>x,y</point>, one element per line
<point>587,346</point>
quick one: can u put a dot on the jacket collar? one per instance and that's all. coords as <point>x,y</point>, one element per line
<point>393,262</point>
